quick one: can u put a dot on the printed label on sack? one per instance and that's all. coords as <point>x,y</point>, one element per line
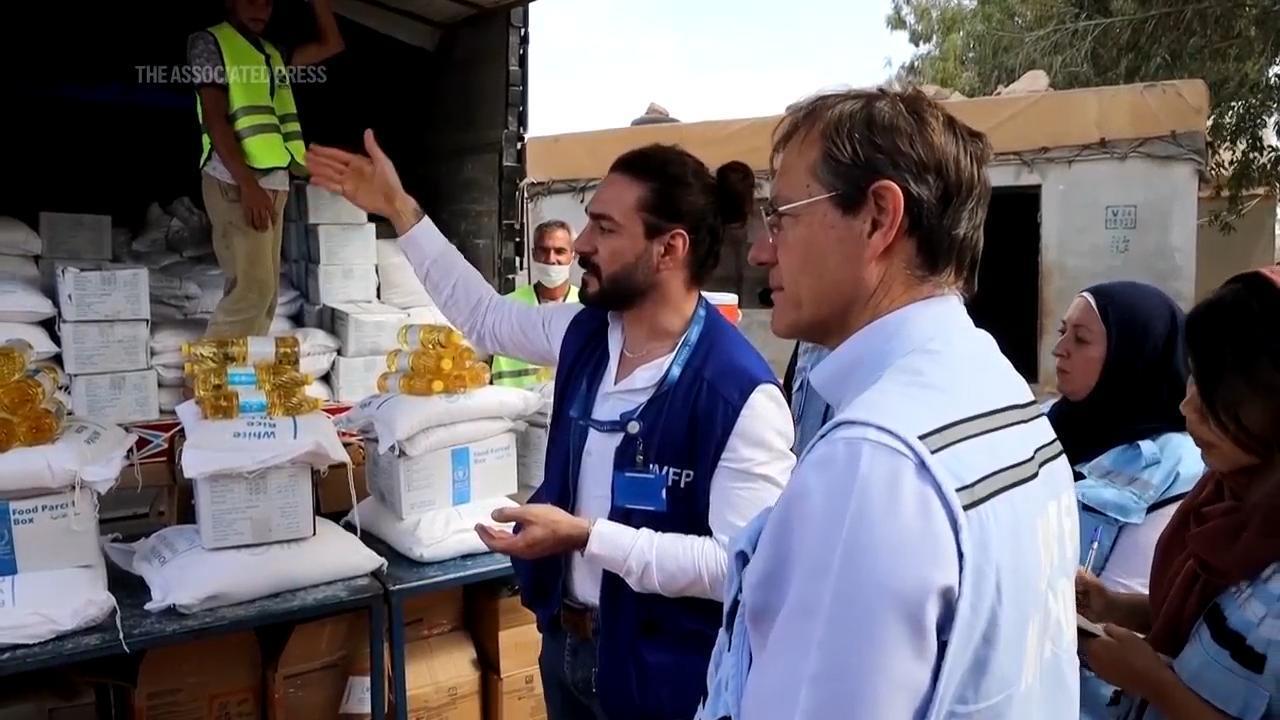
<point>242,375</point>
<point>358,699</point>
<point>253,402</point>
<point>261,350</point>
<point>461,475</point>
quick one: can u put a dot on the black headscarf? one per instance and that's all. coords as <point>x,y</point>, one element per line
<point>1143,379</point>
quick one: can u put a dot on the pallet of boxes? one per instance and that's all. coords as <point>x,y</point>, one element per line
<point>252,443</point>
<point>53,578</point>
<point>440,448</point>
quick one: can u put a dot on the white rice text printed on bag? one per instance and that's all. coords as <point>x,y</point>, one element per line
<point>89,452</point>
<point>243,445</point>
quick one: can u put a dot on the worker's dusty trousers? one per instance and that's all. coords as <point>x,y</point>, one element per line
<point>250,260</point>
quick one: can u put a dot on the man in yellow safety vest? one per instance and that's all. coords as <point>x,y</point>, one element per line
<point>251,142</point>
<point>552,256</point>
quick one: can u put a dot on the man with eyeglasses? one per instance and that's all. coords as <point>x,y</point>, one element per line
<point>921,561</point>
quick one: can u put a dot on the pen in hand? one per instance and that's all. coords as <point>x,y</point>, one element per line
<point>1093,549</point>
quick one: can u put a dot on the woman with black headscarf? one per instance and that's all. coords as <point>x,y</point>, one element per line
<point>1122,373</point>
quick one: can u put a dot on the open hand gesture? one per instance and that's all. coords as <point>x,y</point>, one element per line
<point>369,182</point>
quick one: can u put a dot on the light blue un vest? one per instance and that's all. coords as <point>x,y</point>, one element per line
<point>1119,488</point>
<point>964,412</point>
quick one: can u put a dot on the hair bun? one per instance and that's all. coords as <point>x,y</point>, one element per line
<point>735,192</point>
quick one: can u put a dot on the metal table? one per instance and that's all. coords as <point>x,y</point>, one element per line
<point>405,578</point>
<point>143,629</point>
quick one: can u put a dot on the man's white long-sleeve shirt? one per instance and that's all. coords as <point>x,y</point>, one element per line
<point>753,469</point>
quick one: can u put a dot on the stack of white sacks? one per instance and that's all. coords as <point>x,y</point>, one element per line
<point>53,580</point>
<point>531,442</point>
<point>256,532</point>
<point>438,465</point>
<point>25,304</point>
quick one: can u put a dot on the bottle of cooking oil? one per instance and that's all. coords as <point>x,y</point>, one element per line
<point>429,337</point>
<point>421,362</point>
<point>14,357</point>
<point>42,425</point>
<point>410,384</point>
<point>28,392</point>
<point>8,434</point>
<point>475,376</point>
<point>212,379</point>
<point>230,404</point>
<point>244,351</point>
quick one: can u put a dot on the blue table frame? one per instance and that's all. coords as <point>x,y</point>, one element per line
<point>405,578</point>
<point>144,629</point>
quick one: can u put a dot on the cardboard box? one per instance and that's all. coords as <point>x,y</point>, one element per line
<point>49,698</point>
<point>105,347</point>
<point>332,284</point>
<point>442,678</point>
<point>116,397</point>
<point>433,614</point>
<point>367,329</point>
<point>272,505</point>
<point>354,379</point>
<point>516,696</point>
<point>144,500</point>
<point>294,241</point>
<point>122,293</point>
<point>342,244</point>
<point>76,236</point>
<point>411,486</point>
<point>217,677</point>
<point>333,495</point>
<point>319,206</point>
<point>505,631</point>
<point>309,678</point>
<point>48,267</point>
<point>48,532</point>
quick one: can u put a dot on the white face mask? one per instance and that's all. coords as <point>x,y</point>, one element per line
<point>551,276</point>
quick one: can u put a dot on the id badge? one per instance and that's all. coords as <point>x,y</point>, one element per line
<point>640,490</point>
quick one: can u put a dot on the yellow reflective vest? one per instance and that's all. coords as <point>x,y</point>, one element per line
<point>517,373</point>
<point>262,110</point>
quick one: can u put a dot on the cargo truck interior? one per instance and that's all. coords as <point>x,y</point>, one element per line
<point>110,130</point>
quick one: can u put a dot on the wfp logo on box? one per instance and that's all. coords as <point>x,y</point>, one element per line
<point>8,553</point>
<point>461,458</point>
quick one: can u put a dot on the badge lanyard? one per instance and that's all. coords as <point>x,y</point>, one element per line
<point>629,422</point>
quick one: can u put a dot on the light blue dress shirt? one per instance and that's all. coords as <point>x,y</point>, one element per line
<point>856,575</point>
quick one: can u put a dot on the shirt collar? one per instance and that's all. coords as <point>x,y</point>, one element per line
<point>859,361</point>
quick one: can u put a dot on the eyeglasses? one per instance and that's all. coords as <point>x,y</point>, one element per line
<point>772,215</point>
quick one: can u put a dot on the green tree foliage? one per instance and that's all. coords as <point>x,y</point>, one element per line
<point>974,46</point>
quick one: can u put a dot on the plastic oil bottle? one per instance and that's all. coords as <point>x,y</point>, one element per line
<point>285,351</point>
<point>231,404</point>
<point>42,425</point>
<point>410,384</point>
<point>8,434</point>
<point>15,355</point>
<point>421,362</point>
<point>475,376</point>
<point>212,379</point>
<point>29,392</point>
<point>430,337</point>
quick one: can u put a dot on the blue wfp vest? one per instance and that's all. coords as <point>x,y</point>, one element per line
<point>1122,487</point>
<point>653,650</point>
<point>1232,659</point>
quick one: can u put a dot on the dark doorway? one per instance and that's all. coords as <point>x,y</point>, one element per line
<point>1007,303</point>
